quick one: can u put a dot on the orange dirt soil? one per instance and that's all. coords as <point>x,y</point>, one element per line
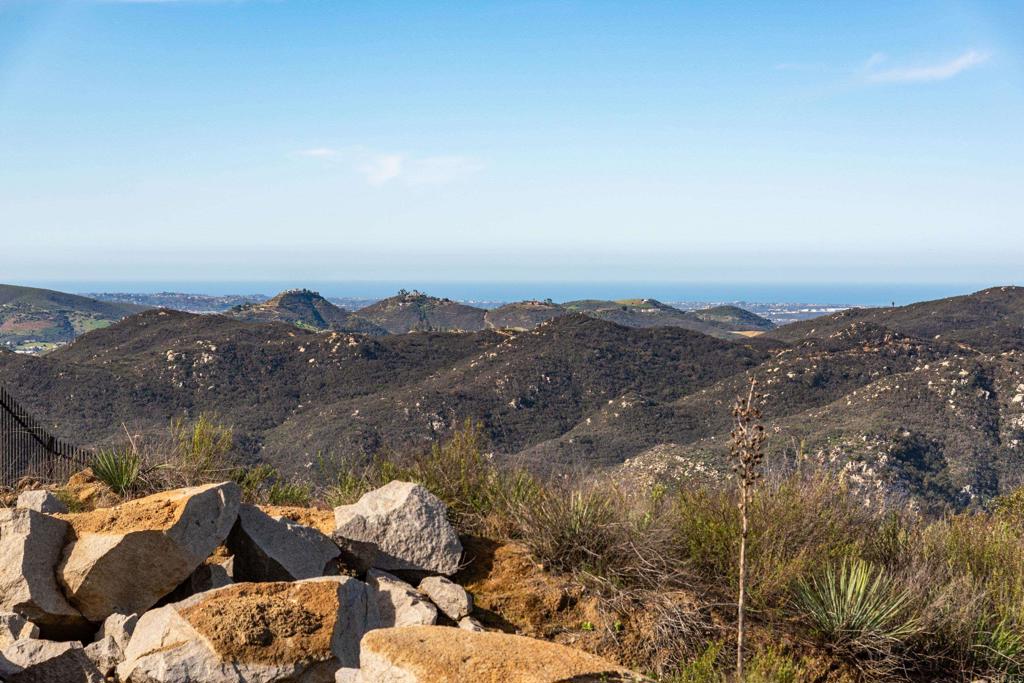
<point>152,513</point>
<point>444,655</point>
<point>269,623</point>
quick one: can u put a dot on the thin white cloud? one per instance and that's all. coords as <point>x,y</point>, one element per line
<point>874,60</point>
<point>392,168</point>
<point>925,73</point>
<point>382,168</point>
<point>397,168</point>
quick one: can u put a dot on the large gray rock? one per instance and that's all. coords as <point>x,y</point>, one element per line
<point>41,500</point>
<point>400,527</point>
<point>44,661</point>
<point>15,627</point>
<point>270,548</point>
<point>393,602</point>
<point>439,654</point>
<point>124,559</point>
<point>450,597</point>
<point>253,633</point>
<point>30,548</point>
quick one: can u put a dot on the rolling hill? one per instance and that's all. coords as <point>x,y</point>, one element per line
<point>306,309</point>
<point>721,321</point>
<point>523,315</point>
<point>924,402</point>
<point>989,320</point>
<point>418,312</point>
<point>28,314</point>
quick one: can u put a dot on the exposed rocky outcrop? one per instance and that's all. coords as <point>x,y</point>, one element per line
<point>450,597</point>
<point>161,538</point>
<point>15,627</point>
<point>144,574</point>
<point>393,602</point>
<point>45,661</point>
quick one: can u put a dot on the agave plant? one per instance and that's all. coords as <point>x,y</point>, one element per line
<point>859,612</point>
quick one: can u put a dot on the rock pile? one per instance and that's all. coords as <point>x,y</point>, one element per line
<point>193,585</point>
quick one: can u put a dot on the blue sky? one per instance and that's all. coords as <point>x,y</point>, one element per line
<point>420,141</point>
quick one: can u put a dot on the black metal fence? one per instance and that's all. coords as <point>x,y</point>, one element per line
<point>28,450</point>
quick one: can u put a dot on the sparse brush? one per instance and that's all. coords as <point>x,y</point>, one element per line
<point>201,448</point>
<point>573,530</point>
<point>860,613</point>
<point>770,665</point>
<point>702,669</point>
<point>289,493</point>
<point>478,492</point>
<point>264,484</point>
<point>253,481</point>
<point>119,469</point>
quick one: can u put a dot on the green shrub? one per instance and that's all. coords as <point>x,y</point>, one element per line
<point>800,525</point>
<point>72,503</point>
<point>118,468</point>
<point>477,491</point>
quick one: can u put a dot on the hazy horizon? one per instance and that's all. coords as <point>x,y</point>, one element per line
<point>824,293</point>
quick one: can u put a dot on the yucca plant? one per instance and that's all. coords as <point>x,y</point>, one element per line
<point>860,613</point>
<point>119,469</point>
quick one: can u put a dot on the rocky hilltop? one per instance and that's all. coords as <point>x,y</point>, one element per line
<point>193,584</point>
<point>306,309</point>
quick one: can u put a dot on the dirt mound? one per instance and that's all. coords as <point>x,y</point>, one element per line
<point>269,623</point>
<point>85,489</point>
<point>513,593</point>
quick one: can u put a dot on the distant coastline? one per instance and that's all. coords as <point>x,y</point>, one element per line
<point>822,294</point>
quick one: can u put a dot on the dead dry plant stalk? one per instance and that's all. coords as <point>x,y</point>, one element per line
<point>745,448</point>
